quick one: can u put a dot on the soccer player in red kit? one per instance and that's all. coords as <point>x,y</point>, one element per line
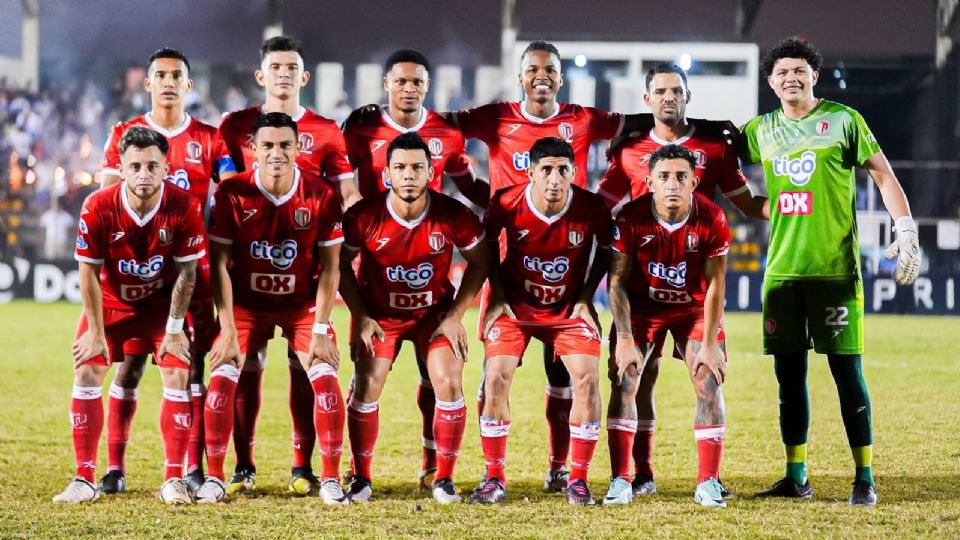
<point>275,240</point>
<point>544,289</point>
<point>406,238</point>
<point>196,155</point>
<point>322,153</point>
<point>138,245</point>
<point>667,275</point>
<point>717,166</point>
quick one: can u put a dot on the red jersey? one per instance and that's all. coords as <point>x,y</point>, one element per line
<point>369,136</point>
<point>547,258</point>
<point>405,265</point>
<point>668,259</point>
<point>717,166</point>
<point>275,240</point>
<point>509,132</point>
<point>196,155</point>
<point>322,149</point>
<point>138,255</point>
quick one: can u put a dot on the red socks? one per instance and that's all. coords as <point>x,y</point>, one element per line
<point>620,435</point>
<point>218,412</point>
<point>302,414</point>
<point>86,417</point>
<point>643,447</point>
<point>328,417</point>
<point>709,450</point>
<point>121,406</point>
<point>426,402</point>
<point>175,421</point>
<point>195,443</point>
<point>493,435</point>
<point>247,409</point>
<point>559,402</point>
<point>363,423</point>
<point>449,422</point>
<point>584,439</point>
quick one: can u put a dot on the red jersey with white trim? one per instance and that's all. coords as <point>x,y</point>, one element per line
<point>668,259</point>
<point>139,255</point>
<point>323,151</point>
<point>509,132</point>
<point>197,153</point>
<point>369,136</point>
<point>405,265</point>
<point>717,166</point>
<point>547,259</point>
<point>275,240</point>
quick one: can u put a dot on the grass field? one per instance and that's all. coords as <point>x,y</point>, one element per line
<point>913,377</point>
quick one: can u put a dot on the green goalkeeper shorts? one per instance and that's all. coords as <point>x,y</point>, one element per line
<point>826,314</point>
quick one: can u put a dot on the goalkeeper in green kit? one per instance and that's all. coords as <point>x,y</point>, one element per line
<point>813,291</point>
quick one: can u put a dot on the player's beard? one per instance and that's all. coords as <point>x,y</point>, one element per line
<point>411,197</point>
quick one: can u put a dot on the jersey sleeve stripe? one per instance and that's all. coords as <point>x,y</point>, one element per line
<point>333,242</point>
<point>719,253</point>
<point>110,171</point>
<point>90,260</point>
<point>344,176</point>
<point>735,192</point>
<point>220,239</point>
<point>193,257</point>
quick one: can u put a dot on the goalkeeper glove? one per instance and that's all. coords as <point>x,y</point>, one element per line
<point>906,249</point>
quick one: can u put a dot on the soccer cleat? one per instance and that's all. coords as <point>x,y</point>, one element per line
<point>864,494</point>
<point>427,478</point>
<point>174,491</point>
<point>709,494</point>
<point>445,492</point>
<point>724,491</point>
<point>77,491</point>
<point>244,479</point>
<point>331,492</point>
<point>194,480</point>
<point>113,482</point>
<point>303,481</point>
<point>787,487</point>
<point>490,491</point>
<point>643,485</point>
<point>556,480</point>
<point>361,490</point>
<point>619,492</point>
<point>211,491</point>
<point>578,492</point>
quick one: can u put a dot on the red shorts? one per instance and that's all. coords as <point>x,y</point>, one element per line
<point>684,326</point>
<point>509,337</point>
<point>146,327</point>
<point>416,331</point>
<point>255,327</point>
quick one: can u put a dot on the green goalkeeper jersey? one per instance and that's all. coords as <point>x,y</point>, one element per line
<point>809,165</point>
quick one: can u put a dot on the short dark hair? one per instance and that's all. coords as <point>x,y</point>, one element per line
<point>540,45</point>
<point>274,120</point>
<point>142,137</point>
<point>550,147</point>
<point>667,67</point>
<point>167,52</point>
<point>281,43</point>
<point>673,151</point>
<point>791,47</point>
<point>408,141</point>
<point>407,55</point>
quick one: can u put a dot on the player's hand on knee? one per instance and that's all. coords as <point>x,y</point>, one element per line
<point>87,347</point>
<point>712,359</point>
<point>906,249</point>
<point>585,311</point>
<point>226,350</point>
<point>369,330</point>
<point>323,349</point>
<point>452,329</point>
<point>176,344</point>
<point>626,356</point>
<point>494,312</point>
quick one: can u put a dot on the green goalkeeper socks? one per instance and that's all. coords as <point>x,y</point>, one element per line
<point>855,408</point>
<point>791,370</point>
<point>797,463</point>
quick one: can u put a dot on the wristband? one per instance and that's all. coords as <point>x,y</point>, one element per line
<point>174,326</point>
<point>322,328</point>
<point>905,224</point>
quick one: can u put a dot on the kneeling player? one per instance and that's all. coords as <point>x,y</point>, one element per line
<point>276,238</point>
<point>147,236</point>
<point>667,275</point>
<point>543,291</point>
<point>406,238</point>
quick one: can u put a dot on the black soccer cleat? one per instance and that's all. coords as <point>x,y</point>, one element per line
<point>113,482</point>
<point>643,485</point>
<point>787,487</point>
<point>194,480</point>
<point>489,492</point>
<point>578,492</point>
<point>864,494</point>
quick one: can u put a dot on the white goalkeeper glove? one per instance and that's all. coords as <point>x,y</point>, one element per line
<point>906,250</point>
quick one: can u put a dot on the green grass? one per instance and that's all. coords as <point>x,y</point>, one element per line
<point>914,381</point>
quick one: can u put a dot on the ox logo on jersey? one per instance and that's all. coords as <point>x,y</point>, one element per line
<point>419,300</point>
<point>822,127</point>
<point>521,161</point>
<point>280,255</point>
<point>437,242</point>
<point>575,236</point>
<point>415,278</point>
<point>701,158</point>
<point>436,148</point>
<point>301,216</point>
<point>552,271</point>
<point>194,151</point>
<point>795,203</point>
<point>692,242</point>
<point>273,283</point>
<point>163,234</point>
<point>145,271</point>
<point>674,275</point>
<point>668,296</point>
<point>546,294</point>
<point>799,169</point>
<point>566,131</point>
<point>306,143</point>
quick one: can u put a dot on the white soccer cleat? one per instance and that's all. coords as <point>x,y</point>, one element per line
<point>77,491</point>
<point>361,490</point>
<point>331,492</point>
<point>709,494</point>
<point>445,492</point>
<point>174,491</point>
<point>213,490</point>
<point>619,492</point>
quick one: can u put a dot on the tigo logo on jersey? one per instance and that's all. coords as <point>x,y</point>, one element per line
<point>416,278</point>
<point>822,127</point>
<point>566,131</point>
<point>280,256</point>
<point>795,203</point>
<point>521,161</point>
<point>552,271</point>
<point>676,276</point>
<point>194,151</point>
<point>799,169</point>
<point>306,143</point>
<point>436,148</point>
<point>145,271</point>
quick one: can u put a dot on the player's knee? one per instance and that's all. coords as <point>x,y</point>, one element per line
<point>650,373</point>
<point>496,385</point>
<point>88,376</point>
<point>706,385</point>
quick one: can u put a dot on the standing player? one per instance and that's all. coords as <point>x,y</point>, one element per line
<point>402,293</point>
<point>138,245</point>
<point>544,290</point>
<point>276,239</point>
<point>667,275</point>
<point>322,153</point>
<point>812,288</point>
<point>196,156</point>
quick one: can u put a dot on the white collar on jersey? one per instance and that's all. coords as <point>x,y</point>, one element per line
<point>168,133</point>
<point>670,227</point>
<point>133,215</point>
<point>534,119</point>
<point>528,195</point>
<point>296,118</point>
<point>286,196</point>
<point>414,222</point>
<point>384,110</point>
<point>681,140</point>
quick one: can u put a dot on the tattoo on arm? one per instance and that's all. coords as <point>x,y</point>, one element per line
<point>183,289</point>
<point>619,300</point>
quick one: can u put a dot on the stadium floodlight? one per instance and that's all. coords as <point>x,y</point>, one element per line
<point>580,60</point>
<point>685,61</point>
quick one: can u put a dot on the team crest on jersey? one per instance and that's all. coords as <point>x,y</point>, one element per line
<point>692,242</point>
<point>437,242</point>
<point>436,148</point>
<point>701,158</point>
<point>770,326</point>
<point>822,127</point>
<point>164,235</point>
<point>194,151</point>
<point>306,143</point>
<point>301,216</point>
<point>575,236</point>
<point>566,131</point>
